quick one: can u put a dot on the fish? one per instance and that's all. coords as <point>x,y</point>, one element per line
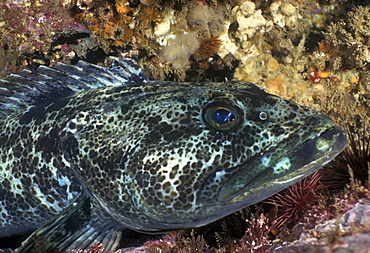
<point>88,152</point>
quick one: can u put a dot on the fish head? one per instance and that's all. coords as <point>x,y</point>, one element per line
<point>184,155</point>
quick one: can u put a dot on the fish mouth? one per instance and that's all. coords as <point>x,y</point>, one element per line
<point>269,173</point>
<point>288,169</point>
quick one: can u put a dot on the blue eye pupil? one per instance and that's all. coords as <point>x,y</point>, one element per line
<point>223,116</point>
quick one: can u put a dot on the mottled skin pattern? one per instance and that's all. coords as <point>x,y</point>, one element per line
<point>149,156</point>
<point>157,152</point>
<point>34,184</point>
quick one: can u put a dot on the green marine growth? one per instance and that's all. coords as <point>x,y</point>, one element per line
<point>88,151</point>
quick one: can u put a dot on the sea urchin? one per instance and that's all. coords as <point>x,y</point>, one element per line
<point>352,164</point>
<point>293,202</point>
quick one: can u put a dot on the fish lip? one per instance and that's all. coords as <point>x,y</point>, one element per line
<point>340,138</point>
<point>307,157</point>
<point>317,135</point>
<point>334,140</point>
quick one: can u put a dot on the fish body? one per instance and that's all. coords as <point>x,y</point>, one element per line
<point>88,151</point>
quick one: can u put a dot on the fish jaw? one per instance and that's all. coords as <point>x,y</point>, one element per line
<point>269,176</point>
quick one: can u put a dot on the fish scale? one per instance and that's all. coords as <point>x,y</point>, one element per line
<point>89,152</point>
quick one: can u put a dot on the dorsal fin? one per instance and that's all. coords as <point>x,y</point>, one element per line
<point>31,87</point>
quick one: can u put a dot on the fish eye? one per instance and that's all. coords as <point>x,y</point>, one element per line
<point>222,116</point>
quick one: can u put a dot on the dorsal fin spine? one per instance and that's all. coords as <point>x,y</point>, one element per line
<point>45,83</point>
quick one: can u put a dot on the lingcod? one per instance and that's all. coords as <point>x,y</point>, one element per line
<point>89,151</point>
